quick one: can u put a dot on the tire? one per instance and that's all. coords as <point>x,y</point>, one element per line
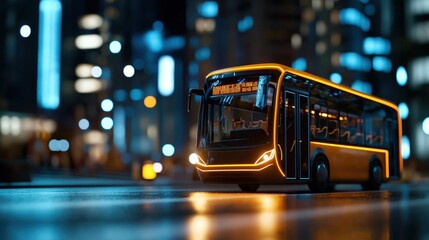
<point>248,187</point>
<point>375,177</point>
<point>320,175</point>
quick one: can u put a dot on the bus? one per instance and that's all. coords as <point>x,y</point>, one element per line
<point>271,124</point>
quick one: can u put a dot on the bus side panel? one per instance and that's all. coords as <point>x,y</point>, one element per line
<point>349,163</point>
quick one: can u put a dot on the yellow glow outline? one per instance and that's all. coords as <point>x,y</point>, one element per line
<point>235,169</point>
<point>270,154</point>
<point>262,160</point>
<point>359,148</point>
<point>283,69</point>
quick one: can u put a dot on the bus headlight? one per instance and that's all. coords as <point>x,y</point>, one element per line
<point>195,159</point>
<point>265,157</point>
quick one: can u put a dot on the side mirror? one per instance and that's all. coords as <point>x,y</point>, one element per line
<point>199,92</point>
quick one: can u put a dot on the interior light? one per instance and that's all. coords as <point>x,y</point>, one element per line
<point>89,41</point>
<point>88,85</point>
<point>91,21</point>
<point>95,137</point>
<point>84,70</point>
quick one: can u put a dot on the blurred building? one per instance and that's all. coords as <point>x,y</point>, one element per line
<point>361,43</point>
<point>118,73</point>
<point>417,54</point>
<point>96,84</point>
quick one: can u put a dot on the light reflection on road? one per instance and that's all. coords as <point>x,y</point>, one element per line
<point>270,216</point>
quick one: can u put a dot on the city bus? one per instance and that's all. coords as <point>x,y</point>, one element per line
<point>271,124</point>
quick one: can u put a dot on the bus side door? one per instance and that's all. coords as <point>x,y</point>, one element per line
<point>296,134</point>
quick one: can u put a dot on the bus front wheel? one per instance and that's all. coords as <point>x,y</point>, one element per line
<point>248,187</point>
<point>320,175</point>
<point>375,177</point>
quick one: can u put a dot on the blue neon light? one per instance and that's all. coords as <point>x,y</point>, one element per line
<point>49,58</point>
<point>245,24</point>
<point>376,45</point>
<point>362,86</point>
<point>166,75</point>
<point>352,16</point>
<point>300,64</point>
<point>208,9</point>
<point>355,61</point>
<point>382,64</point>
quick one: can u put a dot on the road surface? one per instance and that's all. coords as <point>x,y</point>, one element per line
<point>116,209</point>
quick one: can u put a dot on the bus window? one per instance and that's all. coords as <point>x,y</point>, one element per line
<point>333,125</point>
<point>374,124</point>
<point>351,130</point>
<point>319,113</point>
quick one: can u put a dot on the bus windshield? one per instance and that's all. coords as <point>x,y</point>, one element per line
<point>238,111</point>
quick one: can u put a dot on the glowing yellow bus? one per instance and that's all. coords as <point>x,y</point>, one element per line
<point>271,124</point>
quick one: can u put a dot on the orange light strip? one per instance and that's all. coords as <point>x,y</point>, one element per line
<point>235,169</point>
<point>366,149</point>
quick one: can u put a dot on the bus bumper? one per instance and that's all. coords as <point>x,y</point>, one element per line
<point>246,173</point>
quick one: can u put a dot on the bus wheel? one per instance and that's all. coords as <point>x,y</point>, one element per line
<point>248,187</point>
<point>320,175</point>
<point>375,177</point>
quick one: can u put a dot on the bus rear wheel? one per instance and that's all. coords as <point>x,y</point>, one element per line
<point>248,187</point>
<point>375,177</point>
<point>320,175</point>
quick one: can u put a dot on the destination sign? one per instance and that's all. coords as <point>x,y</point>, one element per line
<point>245,87</point>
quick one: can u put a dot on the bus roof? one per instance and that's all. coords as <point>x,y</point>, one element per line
<point>283,69</point>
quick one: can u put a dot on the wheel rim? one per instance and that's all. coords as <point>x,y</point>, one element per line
<point>376,174</point>
<point>322,173</point>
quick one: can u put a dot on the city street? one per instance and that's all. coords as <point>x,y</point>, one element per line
<point>53,207</point>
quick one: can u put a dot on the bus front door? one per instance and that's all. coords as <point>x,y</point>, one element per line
<point>296,135</point>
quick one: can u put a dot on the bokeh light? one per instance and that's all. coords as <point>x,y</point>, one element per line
<point>83,124</point>
<point>107,105</point>
<point>168,150</point>
<point>157,167</point>
<point>425,126</point>
<point>115,47</point>
<point>150,101</point>
<point>25,31</point>
<point>107,123</point>
<point>405,148</point>
<point>129,71</point>
<point>403,110</point>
